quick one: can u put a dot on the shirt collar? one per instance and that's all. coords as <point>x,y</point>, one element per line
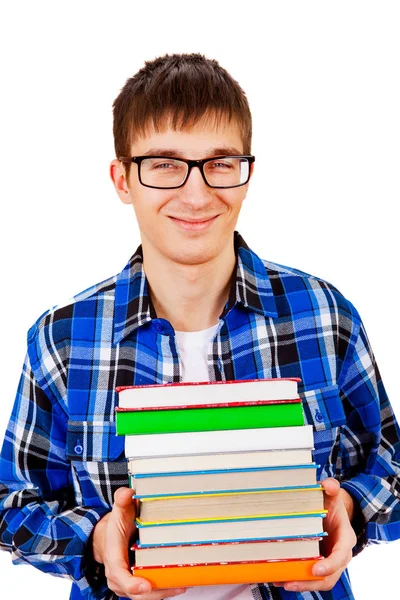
<point>251,287</point>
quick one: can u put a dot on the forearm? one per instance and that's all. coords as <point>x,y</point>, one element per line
<point>97,540</point>
<point>369,448</point>
<point>348,502</point>
<point>356,519</point>
<point>41,530</point>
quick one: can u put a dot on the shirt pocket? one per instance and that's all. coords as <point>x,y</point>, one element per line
<point>97,457</point>
<point>323,409</point>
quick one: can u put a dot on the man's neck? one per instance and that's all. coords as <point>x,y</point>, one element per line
<point>190,297</point>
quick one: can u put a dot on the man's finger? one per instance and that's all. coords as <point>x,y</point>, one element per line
<point>121,581</point>
<point>123,498</point>
<point>331,486</point>
<point>160,594</point>
<point>310,586</point>
<point>337,561</point>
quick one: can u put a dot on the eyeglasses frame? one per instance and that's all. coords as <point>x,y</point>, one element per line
<point>191,163</point>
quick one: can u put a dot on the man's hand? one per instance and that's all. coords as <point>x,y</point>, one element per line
<point>111,539</point>
<point>338,544</point>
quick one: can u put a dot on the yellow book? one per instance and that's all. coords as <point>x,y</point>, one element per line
<point>231,529</point>
<point>232,504</point>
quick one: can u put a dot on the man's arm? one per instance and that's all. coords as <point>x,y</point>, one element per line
<point>370,447</point>
<point>40,523</point>
<point>366,507</point>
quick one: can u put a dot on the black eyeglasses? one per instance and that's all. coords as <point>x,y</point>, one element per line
<point>164,172</point>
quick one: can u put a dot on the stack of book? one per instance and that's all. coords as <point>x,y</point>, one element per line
<point>225,481</point>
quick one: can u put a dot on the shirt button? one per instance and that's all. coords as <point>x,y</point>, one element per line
<point>319,416</point>
<point>78,449</point>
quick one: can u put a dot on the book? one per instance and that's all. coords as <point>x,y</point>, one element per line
<point>231,504</point>
<point>209,418</point>
<point>206,392</point>
<point>211,442</point>
<point>224,460</point>
<point>228,573</point>
<point>146,556</point>
<point>231,529</point>
<point>213,507</point>
<point>219,480</point>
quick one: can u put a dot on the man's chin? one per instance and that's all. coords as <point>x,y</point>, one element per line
<point>193,256</point>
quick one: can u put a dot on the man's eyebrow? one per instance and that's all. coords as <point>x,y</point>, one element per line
<point>173,152</point>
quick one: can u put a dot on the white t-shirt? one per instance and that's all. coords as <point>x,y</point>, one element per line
<point>193,351</point>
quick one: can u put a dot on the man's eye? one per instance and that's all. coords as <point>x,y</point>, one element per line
<point>163,166</point>
<point>220,165</point>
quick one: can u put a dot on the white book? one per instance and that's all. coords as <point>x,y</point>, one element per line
<point>209,442</point>
<point>207,392</point>
<point>227,552</point>
<point>224,460</point>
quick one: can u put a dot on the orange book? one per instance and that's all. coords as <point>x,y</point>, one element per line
<point>228,573</point>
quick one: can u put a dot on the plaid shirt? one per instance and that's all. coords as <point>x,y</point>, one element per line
<point>61,461</point>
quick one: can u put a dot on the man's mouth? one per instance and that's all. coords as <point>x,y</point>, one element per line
<point>194,223</point>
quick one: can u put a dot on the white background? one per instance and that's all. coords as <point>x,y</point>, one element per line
<point>322,80</point>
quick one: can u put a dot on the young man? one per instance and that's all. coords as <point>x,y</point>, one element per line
<point>193,303</point>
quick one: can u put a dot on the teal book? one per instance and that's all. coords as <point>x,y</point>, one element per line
<point>222,480</point>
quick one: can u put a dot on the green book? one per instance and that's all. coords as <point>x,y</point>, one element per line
<point>245,416</point>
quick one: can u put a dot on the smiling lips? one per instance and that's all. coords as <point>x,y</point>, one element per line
<point>194,224</point>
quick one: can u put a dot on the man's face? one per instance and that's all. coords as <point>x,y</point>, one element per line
<point>193,224</point>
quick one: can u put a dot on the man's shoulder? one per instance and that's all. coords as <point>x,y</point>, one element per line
<point>60,316</point>
<point>290,281</point>
<point>284,270</point>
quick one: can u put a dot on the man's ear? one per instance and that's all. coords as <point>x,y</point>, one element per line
<point>119,179</point>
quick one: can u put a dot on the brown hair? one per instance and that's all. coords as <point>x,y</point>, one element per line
<point>178,89</point>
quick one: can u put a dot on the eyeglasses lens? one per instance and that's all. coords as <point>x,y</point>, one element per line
<point>171,172</point>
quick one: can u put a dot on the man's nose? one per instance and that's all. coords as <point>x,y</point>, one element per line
<point>195,188</point>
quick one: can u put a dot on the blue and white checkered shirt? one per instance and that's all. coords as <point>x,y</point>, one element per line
<point>61,461</point>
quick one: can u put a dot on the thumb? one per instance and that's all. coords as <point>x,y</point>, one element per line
<point>124,504</point>
<point>123,497</point>
<point>331,486</point>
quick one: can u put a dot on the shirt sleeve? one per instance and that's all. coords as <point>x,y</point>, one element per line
<point>370,446</point>
<point>40,523</point>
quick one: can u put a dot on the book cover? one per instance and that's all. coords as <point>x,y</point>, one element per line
<point>229,551</point>
<point>211,442</point>
<point>231,504</point>
<point>224,460</point>
<point>249,527</point>
<point>228,573</point>
<point>240,416</point>
<point>222,480</point>
<point>207,392</point>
